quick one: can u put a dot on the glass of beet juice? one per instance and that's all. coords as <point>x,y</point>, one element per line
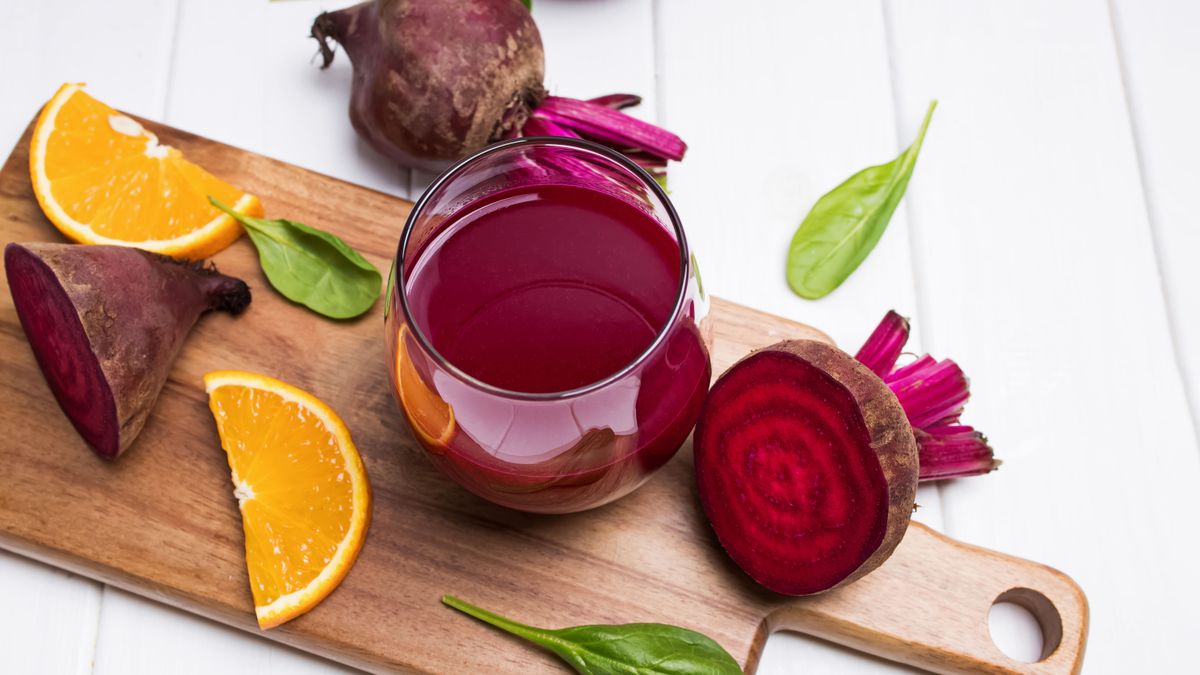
<point>543,325</point>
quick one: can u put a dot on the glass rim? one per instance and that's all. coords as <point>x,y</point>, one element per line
<point>502,146</point>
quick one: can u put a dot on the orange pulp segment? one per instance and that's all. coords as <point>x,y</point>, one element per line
<point>300,485</point>
<point>102,178</point>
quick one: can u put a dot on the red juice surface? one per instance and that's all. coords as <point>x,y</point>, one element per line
<point>545,289</point>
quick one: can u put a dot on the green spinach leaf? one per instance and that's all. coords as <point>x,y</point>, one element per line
<point>843,226</point>
<point>632,648</point>
<point>311,267</point>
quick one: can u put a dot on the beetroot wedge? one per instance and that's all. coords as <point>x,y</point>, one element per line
<point>806,467</point>
<point>105,324</point>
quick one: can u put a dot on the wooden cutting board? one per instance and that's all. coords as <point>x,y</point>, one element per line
<point>162,521</point>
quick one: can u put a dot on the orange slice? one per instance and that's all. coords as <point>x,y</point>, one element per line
<point>300,486</point>
<point>429,416</point>
<point>102,178</point>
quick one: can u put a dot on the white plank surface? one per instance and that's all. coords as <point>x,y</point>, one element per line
<point>1159,59</point>
<point>246,73</point>
<point>1026,250</point>
<point>46,49</point>
<point>138,636</point>
<point>48,618</point>
<point>1035,265</point>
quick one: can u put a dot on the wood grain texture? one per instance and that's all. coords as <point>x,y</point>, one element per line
<point>162,522</point>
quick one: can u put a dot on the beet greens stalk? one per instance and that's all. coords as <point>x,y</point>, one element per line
<point>884,345</point>
<point>952,451</point>
<point>932,394</point>
<point>617,101</point>
<point>610,127</point>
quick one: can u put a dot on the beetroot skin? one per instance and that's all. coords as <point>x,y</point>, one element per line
<point>806,467</point>
<point>105,324</point>
<point>435,81</point>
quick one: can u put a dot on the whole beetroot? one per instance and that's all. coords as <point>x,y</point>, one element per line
<point>435,81</point>
<point>105,324</point>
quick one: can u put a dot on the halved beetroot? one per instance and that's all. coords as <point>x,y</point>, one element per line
<point>105,324</point>
<point>806,466</point>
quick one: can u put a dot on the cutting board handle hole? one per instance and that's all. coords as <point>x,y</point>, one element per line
<point>1025,625</point>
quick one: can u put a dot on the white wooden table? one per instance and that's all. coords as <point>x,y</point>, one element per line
<point>1047,243</point>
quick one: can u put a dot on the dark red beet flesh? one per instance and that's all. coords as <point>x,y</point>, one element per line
<point>806,467</point>
<point>56,335</point>
<point>105,324</point>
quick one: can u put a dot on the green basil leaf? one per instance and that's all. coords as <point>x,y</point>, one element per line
<point>311,267</point>
<point>528,4</point>
<point>843,226</point>
<point>641,648</point>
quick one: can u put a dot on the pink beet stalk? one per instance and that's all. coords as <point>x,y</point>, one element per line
<point>881,350</point>
<point>617,101</point>
<point>612,127</point>
<point>655,166</point>
<point>932,394</point>
<point>540,126</point>
<point>954,451</point>
<point>600,120</point>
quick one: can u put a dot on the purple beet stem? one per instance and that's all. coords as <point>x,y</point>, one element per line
<point>617,101</point>
<point>607,125</point>
<point>540,126</point>
<point>880,351</point>
<point>954,451</point>
<point>932,394</point>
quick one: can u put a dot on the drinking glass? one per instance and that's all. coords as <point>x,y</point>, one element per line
<point>538,451</point>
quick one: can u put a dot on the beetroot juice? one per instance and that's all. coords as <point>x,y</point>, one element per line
<point>545,289</point>
<point>552,326</point>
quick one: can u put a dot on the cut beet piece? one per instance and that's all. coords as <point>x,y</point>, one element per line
<point>105,324</point>
<point>806,467</point>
